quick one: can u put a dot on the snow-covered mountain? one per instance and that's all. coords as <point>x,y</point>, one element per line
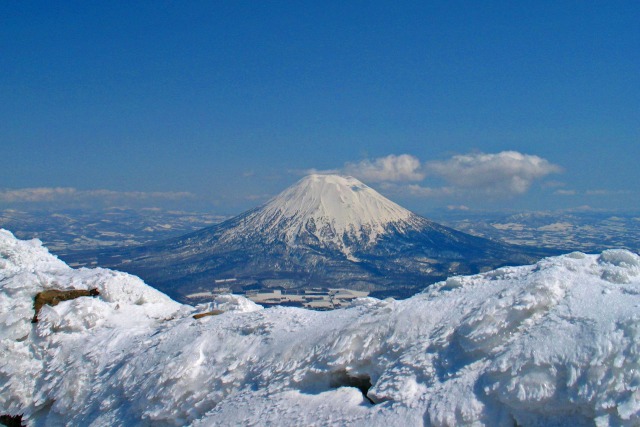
<point>553,344</point>
<point>331,210</point>
<point>325,230</point>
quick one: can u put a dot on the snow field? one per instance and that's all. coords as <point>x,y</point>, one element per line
<point>556,343</point>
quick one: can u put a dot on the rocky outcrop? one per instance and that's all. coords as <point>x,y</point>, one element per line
<point>53,297</point>
<point>208,313</point>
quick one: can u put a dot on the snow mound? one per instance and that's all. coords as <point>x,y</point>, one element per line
<point>27,351</point>
<point>555,343</point>
<point>229,302</point>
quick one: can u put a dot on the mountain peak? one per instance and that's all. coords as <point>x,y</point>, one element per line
<point>342,201</point>
<point>323,231</point>
<point>334,209</point>
<point>330,178</point>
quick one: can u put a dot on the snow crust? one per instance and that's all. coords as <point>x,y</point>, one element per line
<point>335,209</point>
<point>555,343</point>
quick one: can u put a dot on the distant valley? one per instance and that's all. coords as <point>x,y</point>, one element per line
<point>585,231</point>
<point>65,231</point>
<point>325,231</point>
<point>114,238</point>
<point>69,230</point>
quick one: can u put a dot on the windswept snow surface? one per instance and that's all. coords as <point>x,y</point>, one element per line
<point>556,343</point>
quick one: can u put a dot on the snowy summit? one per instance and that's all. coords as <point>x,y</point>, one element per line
<point>335,209</point>
<point>555,343</point>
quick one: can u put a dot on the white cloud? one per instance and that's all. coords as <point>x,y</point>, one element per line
<point>36,194</point>
<point>391,168</point>
<point>591,192</point>
<point>504,173</point>
<point>313,171</point>
<point>56,194</point>
<point>141,195</point>
<point>501,174</point>
<point>458,208</point>
<point>422,191</point>
<point>565,192</point>
<point>416,190</point>
<point>606,192</point>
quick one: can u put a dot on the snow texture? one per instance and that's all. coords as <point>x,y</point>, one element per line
<point>555,343</point>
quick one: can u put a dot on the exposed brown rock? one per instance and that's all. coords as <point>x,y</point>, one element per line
<point>208,313</point>
<point>11,420</point>
<point>53,297</point>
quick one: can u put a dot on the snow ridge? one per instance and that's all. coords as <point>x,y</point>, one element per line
<point>337,210</point>
<point>555,343</point>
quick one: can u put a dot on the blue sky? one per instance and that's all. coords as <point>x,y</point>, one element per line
<point>218,105</point>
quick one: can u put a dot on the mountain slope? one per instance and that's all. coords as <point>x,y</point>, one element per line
<point>324,231</point>
<point>332,208</point>
<point>551,344</point>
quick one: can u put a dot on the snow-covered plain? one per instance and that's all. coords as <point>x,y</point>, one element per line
<point>556,343</point>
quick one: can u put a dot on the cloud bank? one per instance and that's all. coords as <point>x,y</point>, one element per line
<point>391,168</point>
<point>504,173</point>
<point>58,194</point>
<point>597,192</point>
<point>507,173</point>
